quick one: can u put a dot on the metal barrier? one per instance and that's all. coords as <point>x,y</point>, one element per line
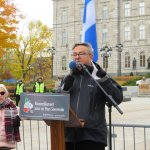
<point>131,137</point>
<point>35,135</point>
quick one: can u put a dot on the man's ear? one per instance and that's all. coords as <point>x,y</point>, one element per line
<point>91,56</point>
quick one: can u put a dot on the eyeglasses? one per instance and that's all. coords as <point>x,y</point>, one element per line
<point>81,54</point>
<point>2,93</point>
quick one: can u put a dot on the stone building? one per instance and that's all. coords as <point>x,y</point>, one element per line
<point>122,25</point>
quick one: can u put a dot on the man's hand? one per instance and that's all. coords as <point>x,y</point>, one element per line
<point>68,81</point>
<point>82,122</point>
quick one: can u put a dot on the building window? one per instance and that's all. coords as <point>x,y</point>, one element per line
<point>134,32</point>
<point>127,10</point>
<point>142,32</point>
<point>64,16</point>
<point>105,12</point>
<point>64,38</point>
<point>81,13</point>
<point>127,60</point>
<point>142,59</point>
<point>81,35</point>
<point>127,34</point>
<point>142,8</point>
<point>105,35</point>
<point>64,63</point>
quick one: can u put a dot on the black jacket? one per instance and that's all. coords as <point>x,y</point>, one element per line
<point>88,102</point>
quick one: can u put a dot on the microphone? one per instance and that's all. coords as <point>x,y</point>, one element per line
<point>74,65</point>
<point>80,66</point>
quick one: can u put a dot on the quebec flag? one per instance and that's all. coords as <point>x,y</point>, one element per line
<point>89,27</point>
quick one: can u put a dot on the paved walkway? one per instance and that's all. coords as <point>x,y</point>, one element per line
<point>136,111</point>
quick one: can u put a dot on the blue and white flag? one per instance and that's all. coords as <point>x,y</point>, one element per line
<point>89,34</point>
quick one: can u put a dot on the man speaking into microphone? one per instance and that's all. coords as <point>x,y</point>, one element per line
<point>88,101</point>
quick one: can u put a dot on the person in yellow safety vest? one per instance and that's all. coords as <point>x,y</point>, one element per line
<point>39,86</point>
<point>20,88</point>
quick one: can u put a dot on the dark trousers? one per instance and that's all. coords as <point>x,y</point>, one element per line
<point>85,145</point>
<point>17,99</point>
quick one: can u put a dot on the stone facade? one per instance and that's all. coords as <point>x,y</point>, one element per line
<point>118,21</point>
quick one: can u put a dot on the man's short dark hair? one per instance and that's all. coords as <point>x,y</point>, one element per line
<point>88,45</point>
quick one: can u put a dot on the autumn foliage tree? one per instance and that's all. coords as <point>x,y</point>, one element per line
<point>8,26</point>
<point>38,38</point>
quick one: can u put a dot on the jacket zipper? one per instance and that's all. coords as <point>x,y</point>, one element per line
<point>78,97</point>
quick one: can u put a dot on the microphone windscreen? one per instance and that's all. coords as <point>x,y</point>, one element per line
<point>72,65</point>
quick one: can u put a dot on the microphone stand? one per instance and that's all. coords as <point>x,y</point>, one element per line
<point>110,102</point>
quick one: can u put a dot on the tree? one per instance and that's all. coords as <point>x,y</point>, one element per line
<point>9,19</point>
<point>43,67</point>
<point>7,75</point>
<point>31,45</point>
<point>8,25</point>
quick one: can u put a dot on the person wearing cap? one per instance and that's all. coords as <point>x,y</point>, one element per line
<point>20,88</point>
<point>39,86</point>
<point>9,121</point>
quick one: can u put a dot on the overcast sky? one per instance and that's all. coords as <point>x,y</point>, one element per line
<point>36,10</point>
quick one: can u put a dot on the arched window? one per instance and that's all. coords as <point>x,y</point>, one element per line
<point>127,60</point>
<point>64,63</point>
<point>142,59</point>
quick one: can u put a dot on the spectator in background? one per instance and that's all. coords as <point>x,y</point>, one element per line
<point>9,121</point>
<point>39,86</point>
<point>19,89</point>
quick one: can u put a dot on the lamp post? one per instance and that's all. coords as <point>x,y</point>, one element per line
<point>119,49</point>
<point>52,50</point>
<point>106,52</point>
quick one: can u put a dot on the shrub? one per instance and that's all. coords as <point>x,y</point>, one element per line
<point>131,82</point>
<point>131,74</point>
